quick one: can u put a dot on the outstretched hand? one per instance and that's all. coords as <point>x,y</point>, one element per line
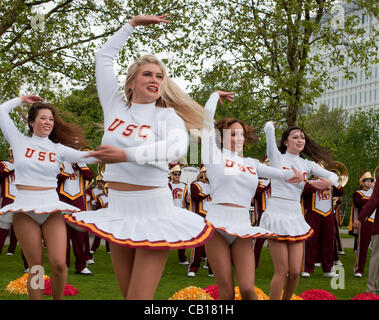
<point>30,99</point>
<point>108,154</point>
<point>227,95</point>
<point>321,183</point>
<point>297,176</point>
<point>147,20</point>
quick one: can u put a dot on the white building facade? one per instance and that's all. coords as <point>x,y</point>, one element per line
<point>362,92</point>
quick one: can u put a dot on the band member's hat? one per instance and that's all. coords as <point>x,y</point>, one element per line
<point>366,175</point>
<point>175,166</point>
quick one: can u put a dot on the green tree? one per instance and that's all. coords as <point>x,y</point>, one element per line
<point>83,107</point>
<point>266,48</point>
<point>359,146</point>
<point>49,46</point>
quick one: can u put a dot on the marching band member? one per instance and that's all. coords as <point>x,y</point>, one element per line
<point>98,200</point>
<point>364,233</point>
<point>337,224</point>
<point>369,210</point>
<point>36,210</point>
<point>72,190</point>
<point>101,201</point>
<point>283,214</point>
<point>200,202</point>
<point>180,198</point>
<point>233,180</point>
<point>259,203</point>
<point>318,212</point>
<point>141,136</point>
<point>8,191</point>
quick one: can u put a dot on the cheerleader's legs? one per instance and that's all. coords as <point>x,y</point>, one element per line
<point>222,257</point>
<point>244,265</point>
<point>28,233</point>
<point>219,256</point>
<point>138,271</point>
<point>55,235</point>
<point>287,259</point>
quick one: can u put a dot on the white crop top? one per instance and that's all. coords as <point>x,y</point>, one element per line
<point>285,161</point>
<point>151,136</point>
<point>232,178</point>
<point>37,159</point>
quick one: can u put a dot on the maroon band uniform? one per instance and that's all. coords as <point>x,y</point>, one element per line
<point>360,198</point>
<point>318,211</point>
<point>200,200</point>
<point>179,194</point>
<point>259,204</point>
<point>101,201</point>
<point>72,182</point>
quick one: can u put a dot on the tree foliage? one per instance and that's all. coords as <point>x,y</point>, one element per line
<point>267,49</point>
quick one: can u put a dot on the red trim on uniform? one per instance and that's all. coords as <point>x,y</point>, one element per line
<point>203,237</point>
<point>301,237</point>
<point>38,213</point>
<point>248,236</point>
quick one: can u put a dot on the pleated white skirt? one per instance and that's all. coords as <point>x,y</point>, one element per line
<point>35,202</point>
<point>284,217</point>
<point>144,219</point>
<point>236,222</point>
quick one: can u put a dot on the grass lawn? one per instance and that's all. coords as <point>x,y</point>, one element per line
<point>103,285</point>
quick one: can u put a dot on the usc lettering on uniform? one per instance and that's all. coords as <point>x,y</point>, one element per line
<point>241,167</point>
<point>143,130</point>
<point>41,156</point>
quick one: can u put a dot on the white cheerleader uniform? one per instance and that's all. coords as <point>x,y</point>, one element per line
<point>233,179</point>
<point>283,214</point>
<point>151,137</point>
<point>37,163</point>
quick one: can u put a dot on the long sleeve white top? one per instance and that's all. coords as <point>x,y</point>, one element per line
<point>150,136</point>
<point>233,179</point>
<point>37,159</point>
<point>285,161</point>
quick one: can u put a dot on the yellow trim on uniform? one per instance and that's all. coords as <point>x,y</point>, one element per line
<point>325,214</point>
<point>62,192</point>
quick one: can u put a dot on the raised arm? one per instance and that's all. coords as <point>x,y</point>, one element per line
<point>10,131</point>
<point>106,80</point>
<point>209,149</point>
<point>273,152</point>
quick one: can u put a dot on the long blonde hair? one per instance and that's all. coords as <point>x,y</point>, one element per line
<point>171,95</point>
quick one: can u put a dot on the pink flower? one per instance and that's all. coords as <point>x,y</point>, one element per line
<point>317,294</point>
<point>212,291</point>
<point>69,290</point>
<point>366,296</point>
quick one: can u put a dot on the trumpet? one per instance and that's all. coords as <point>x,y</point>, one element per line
<point>341,170</point>
<point>100,171</point>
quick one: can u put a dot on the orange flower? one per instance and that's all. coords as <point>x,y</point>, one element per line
<point>191,293</point>
<point>260,294</point>
<point>18,286</point>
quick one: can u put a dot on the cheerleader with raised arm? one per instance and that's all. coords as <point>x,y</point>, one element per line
<point>36,210</point>
<point>141,136</point>
<point>233,180</point>
<point>283,215</point>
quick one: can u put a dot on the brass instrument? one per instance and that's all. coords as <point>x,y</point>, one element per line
<point>87,148</point>
<point>376,172</point>
<point>100,171</point>
<point>340,170</point>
